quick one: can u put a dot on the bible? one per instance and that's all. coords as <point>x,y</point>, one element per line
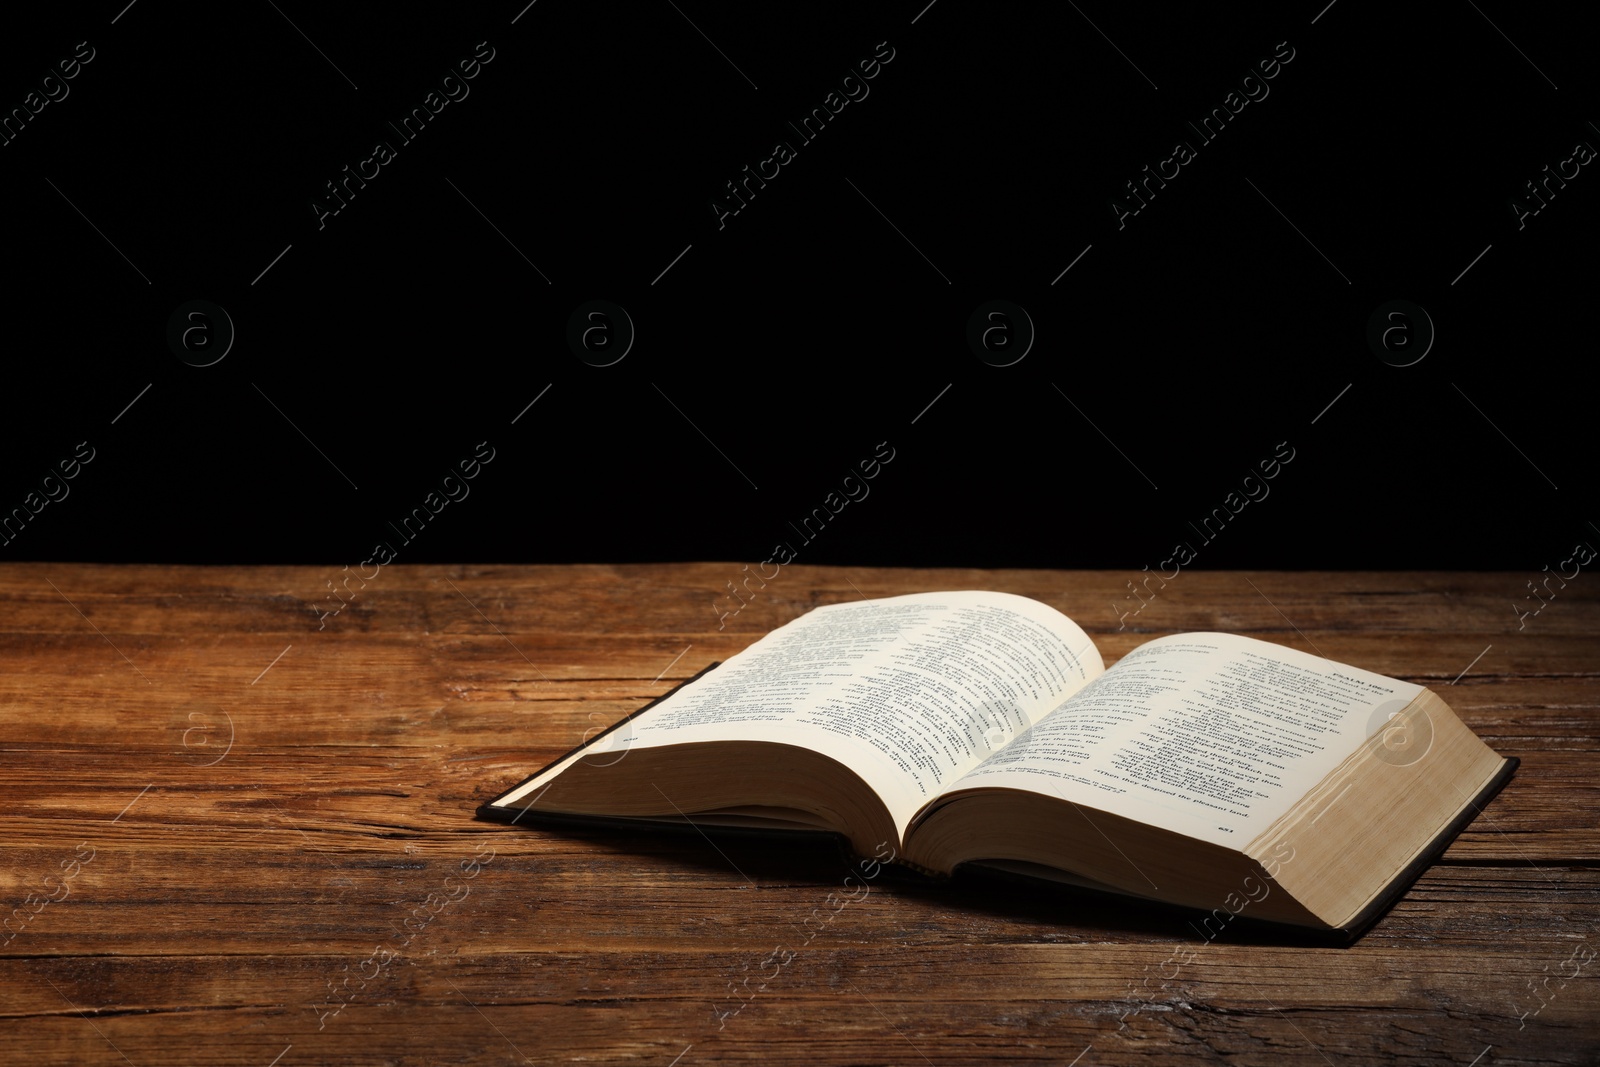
<point>982,729</point>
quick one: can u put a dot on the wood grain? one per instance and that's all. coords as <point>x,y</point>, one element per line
<point>269,793</point>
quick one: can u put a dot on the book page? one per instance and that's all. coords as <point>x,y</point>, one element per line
<point>910,692</point>
<point>1209,735</point>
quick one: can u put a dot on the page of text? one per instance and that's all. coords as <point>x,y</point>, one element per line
<point>911,692</point>
<point>1210,735</point>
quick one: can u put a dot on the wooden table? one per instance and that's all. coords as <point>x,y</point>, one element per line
<point>239,831</point>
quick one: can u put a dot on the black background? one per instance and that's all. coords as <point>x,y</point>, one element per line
<point>824,318</point>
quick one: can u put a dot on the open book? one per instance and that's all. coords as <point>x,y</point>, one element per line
<point>1207,770</point>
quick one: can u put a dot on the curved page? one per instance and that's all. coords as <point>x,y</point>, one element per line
<point>911,692</point>
<point>1209,735</point>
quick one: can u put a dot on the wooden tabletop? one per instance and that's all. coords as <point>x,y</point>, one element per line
<point>237,828</point>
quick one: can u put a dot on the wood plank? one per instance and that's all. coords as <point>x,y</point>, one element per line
<point>308,789</point>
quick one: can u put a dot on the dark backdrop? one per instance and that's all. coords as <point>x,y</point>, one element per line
<point>1174,349</point>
